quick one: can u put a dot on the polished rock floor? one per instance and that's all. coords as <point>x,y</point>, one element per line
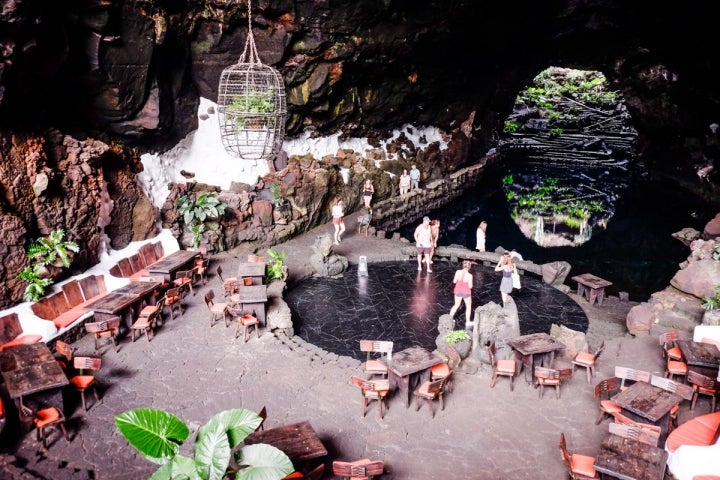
<point>396,302</point>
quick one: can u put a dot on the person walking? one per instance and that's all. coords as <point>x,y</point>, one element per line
<point>480,234</point>
<point>463,281</point>
<point>338,212</point>
<point>368,191</point>
<point>507,267</point>
<point>414,178</point>
<point>423,243</point>
<point>404,184</point>
<point>434,235</point>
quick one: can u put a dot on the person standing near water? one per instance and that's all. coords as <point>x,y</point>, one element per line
<point>480,234</point>
<point>463,292</point>
<point>434,235</point>
<point>368,191</point>
<point>338,212</point>
<point>506,266</point>
<point>423,243</point>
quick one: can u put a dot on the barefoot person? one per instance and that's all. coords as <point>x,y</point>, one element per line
<point>423,243</point>
<point>338,212</point>
<point>404,185</point>
<point>506,266</point>
<point>434,235</point>
<point>463,291</point>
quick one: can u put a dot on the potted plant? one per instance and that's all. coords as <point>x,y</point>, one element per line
<point>158,435</point>
<point>460,341</point>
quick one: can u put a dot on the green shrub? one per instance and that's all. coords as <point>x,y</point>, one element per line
<point>455,336</point>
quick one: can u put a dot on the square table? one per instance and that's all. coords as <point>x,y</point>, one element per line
<point>591,287</point>
<point>526,347</point>
<point>298,441</point>
<point>32,369</point>
<point>253,270</point>
<point>645,401</point>
<point>629,459</point>
<point>167,266</point>
<point>406,365</point>
<point>252,299</point>
<point>700,354</point>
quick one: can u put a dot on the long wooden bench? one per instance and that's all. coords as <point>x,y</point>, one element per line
<point>134,266</point>
<point>703,430</point>
<point>65,307</point>
<point>11,332</point>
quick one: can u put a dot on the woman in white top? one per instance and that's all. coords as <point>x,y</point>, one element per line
<point>338,212</point>
<point>480,246</point>
<point>404,184</point>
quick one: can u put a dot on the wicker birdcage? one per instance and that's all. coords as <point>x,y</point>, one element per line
<point>251,106</point>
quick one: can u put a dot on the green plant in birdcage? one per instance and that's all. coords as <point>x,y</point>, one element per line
<point>249,103</point>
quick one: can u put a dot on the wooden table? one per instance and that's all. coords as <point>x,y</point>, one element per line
<point>252,299</point>
<point>527,347</point>
<point>407,367</point>
<point>591,287</point>
<point>167,266</point>
<point>32,371</point>
<point>252,270</point>
<point>629,459</point>
<point>118,301</point>
<point>642,401</point>
<point>298,441</point>
<point>700,354</point>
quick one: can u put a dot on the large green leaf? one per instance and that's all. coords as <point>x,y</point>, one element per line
<point>238,423</point>
<point>179,468</point>
<point>156,434</point>
<point>262,462</point>
<point>212,453</point>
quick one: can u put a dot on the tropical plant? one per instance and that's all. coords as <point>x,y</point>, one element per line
<point>277,194</point>
<point>251,102</point>
<point>455,336</point>
<point>195,212</point>
<point>510,126</point>
<point>205,206</point>
<point>36,285</point>
<point>52,250</point>
<point>158,435</point>
<point>711,303</point>
<point>275,268</point>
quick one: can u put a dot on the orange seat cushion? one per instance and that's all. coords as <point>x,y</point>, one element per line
<point>699,431</point>
<point>675,353</point>
<point>441,370</point>
<point>293,475</point>
<point>584,358</point>
<point>82,381</point>
<point>677,368</point>
<point>2,409</point>
<point>505,366</point>
<point>22,340</point>
<point>610,407</point>
<point>65,319</point>
<point>46,416</point>
<point>582,465</point>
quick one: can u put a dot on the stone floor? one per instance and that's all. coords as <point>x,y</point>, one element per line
<point>195,371</point>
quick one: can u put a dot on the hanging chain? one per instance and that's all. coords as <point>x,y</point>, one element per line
<point>250,54</point>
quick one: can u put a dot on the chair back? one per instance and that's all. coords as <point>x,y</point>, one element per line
<point>703,381</point>
<point>565,454</point>
<point>209,298</point>
<point>606,387</point>
<point>172,295</point>
<point>626,373</point>
<point>369,386</point>
<point>668,337</point>
<point>103,326</point>
<point>544,373</point>
<point>219,272</point>
<point>64,349</point>
<point>599,350</point>
<point>685,391</point>
<point>436,387</point>
<point>622,419</point>
<point>87,363</point>
<point>635,433</point>
<point>263,416</point>
<point>491,353</point>
<point>377,346</point>
<point>360,468</point>
<point>454,358</point>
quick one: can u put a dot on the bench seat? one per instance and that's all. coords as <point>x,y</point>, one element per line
<point>11,332</point>
<point>702,431</point>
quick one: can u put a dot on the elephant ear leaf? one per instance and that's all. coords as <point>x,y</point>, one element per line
<point>156,434</point>
<point>262,462</point>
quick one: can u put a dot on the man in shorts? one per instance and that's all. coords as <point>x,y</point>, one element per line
<point>423,243</point>
<point>414,178</point>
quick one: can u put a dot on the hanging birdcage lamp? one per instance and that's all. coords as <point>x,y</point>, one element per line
<point>251,105</point>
